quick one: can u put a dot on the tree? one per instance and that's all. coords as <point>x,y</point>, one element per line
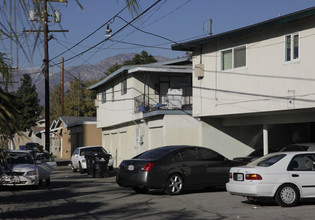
<point>27,104</point>
<point>143,58</point>
<point>7,108</point>
<point>78,101</point>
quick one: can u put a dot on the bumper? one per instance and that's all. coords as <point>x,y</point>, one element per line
<point>19,180</point>
<point>252,190</point>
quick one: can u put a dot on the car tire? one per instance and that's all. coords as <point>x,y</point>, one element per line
<point>287,195</point>
<point>141,190</point>
<point>80,168</point>
<point>174,184</point>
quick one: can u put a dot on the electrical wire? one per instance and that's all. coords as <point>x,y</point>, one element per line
<point>92,32</point>
<point>113,33</point>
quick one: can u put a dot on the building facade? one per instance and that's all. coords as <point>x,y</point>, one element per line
<point>254,86</point>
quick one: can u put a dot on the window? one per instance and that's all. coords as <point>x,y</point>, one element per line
<point>207,154</point>
<point>188,155</point>
<point>103,96</point>
<point>113,94</point>
<point>268,160</point>
<point>291,47</point>
<point>233,58</point>
<point>302,162</point>
<point>124,87</point>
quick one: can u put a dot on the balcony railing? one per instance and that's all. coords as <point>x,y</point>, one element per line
<point>170,102</point>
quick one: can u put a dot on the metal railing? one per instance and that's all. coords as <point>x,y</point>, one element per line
<point>170,102</point>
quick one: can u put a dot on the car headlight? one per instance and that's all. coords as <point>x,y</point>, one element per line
<point>31,173</point>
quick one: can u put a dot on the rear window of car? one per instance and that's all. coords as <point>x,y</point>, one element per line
<point>267,160</point>
<point>153,154</point>
<point>93,150</point>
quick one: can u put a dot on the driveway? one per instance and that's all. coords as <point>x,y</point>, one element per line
<point>76,196</point>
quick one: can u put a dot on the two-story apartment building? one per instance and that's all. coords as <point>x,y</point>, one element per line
<point>255,86</point>
<point>141,107</point>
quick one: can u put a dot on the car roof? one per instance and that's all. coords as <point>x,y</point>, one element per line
<point>291,152</point>
<point>18,151</point>
<point>83,147</point>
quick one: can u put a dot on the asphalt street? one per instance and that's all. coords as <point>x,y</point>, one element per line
<point>77,196</point>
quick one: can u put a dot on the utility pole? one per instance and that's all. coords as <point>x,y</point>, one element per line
<point>46,74</point>
<point>46,63</point>
<point>62,86</point>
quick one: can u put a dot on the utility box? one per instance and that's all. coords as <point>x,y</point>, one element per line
<point>199,70</point>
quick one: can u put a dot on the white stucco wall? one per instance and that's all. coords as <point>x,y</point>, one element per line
<point>267,83</point>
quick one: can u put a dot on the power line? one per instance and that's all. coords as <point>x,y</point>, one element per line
<point>91,33</point>
<point>113,33</point>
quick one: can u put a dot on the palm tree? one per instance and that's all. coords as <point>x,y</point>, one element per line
<point>7,108</point>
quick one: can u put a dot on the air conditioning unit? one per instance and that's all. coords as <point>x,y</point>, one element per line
<point>199,70</point>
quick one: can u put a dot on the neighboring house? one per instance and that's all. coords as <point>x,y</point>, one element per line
<point>69,132</point>
<point>34,134</point>
<point>141,107</point>
<point>255,86</point>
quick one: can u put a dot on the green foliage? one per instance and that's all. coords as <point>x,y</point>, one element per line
<point>143,58</point>
<point>27,104</point>
<point>7,108</point>
<point>78,101</point>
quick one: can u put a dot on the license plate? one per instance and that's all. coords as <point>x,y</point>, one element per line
<point>131,167</point>
<point>14,179</point>
<point>239,177</point>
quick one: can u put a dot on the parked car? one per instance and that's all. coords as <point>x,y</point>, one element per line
<point>18,169</point>
<point>286,177</point>
<point>45,163</point>
<point>174,168</point>
<point>78,160</point>
<point>255,155</point>
<point>299,147</point>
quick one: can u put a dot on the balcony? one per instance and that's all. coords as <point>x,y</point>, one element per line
<point>167,102</point>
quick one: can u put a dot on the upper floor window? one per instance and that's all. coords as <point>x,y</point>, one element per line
<point>113,97</point>
<point>291,47</point>
<point>233,58</point>
<point>103,96</point>
<point>124,87</point>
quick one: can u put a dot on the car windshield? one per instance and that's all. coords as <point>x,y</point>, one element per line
<point>92,150</point>
<point>19,158</point>
<point>268,160</point>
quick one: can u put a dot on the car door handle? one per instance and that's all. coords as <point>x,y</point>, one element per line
<point>295,175</point>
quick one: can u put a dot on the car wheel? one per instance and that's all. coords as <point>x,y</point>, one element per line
<point>174,184</point>
<point>287,195</point>
<point>80,168</point>
<point>73,169</point>
<point>141,190</point>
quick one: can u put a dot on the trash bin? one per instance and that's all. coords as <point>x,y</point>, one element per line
<point>97,164</point>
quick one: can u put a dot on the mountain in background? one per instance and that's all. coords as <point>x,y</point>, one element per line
<point>82,72</point>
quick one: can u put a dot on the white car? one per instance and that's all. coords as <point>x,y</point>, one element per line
<point>78,160</point>
<point>287,177</point>
<point>18,169</point>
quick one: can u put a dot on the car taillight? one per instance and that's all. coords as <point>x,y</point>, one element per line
<point>253,177</point>
<point>230,175</point>
<point>147,166</point>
